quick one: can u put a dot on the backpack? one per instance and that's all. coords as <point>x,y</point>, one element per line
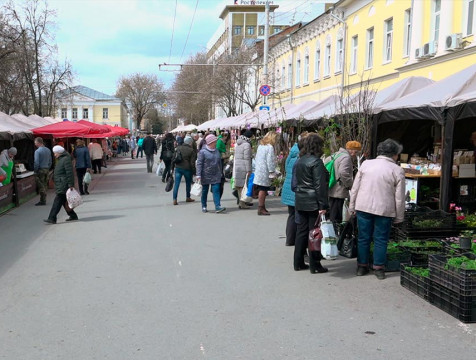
<point>177,157</point>
<point>332,173</point>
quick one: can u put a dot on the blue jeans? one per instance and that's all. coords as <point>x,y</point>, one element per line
<point>178,179</point>
<point>216,195</point>
<point>377,228</point>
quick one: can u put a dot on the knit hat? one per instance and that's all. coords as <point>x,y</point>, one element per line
<point>188,140</point>
<point>248,134</point>
<point>12,151</point>
<point>58,149</point>
<point>210,139</point>
<point>353,145</point>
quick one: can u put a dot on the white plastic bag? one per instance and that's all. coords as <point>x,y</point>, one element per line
<point>160,169</point>
<point>196,189</point>
<point>73,198</point>
<point>243,196</point>
<point>329,239</point>
<point>87,178</point>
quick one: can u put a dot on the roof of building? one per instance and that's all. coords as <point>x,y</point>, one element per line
<point>246,8</point>
<point>88,92</point>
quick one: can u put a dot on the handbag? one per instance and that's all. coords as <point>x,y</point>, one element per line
<point>73,198</point>
<point>196,189</point>
<point>87,178</point>
<point>347,243</point>
<point>315,236</point>
<point>170,184</point>
<point>244,192</point>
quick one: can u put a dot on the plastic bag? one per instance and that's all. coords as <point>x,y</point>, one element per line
<point>73,198</point>
<point>196,189</point>
<point>87,178</point>
<point>170,184</point>
<point>160,169</point>
<point>244,193</point>
<point>250,185</point>
<point>329,239</point>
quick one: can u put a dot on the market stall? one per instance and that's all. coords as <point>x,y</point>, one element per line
<point>435,126</point>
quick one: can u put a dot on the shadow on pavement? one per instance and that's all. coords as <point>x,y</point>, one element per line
<point>99,218</point>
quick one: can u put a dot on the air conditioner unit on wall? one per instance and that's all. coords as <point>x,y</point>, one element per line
<point>418,53</point>
<point>454,41</point>
<point>430,48</point>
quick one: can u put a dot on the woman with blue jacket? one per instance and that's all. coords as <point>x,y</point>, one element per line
<point>83,163</point>
<point>288,196</point>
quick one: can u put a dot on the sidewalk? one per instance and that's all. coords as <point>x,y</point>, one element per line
<point>139,278</point>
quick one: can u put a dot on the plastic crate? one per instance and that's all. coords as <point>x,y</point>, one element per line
<point>459,280</point>
<point>415,220</point>
<point>460,306</point>
<point>402,234</point>
<point>416,284</point>
<point>421,249</point>
<point>394,260</point>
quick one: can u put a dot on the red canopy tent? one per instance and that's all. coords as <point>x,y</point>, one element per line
<point>120,131</point>
<point>105,131</point>
<point>65,129</point>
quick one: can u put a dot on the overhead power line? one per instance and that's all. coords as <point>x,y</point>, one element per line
<point>173,30</point>
<point>189,30</point>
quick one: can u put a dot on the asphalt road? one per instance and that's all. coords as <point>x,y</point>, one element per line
<point>139,278</point>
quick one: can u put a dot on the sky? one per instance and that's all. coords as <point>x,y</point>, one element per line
<point>107,39</point>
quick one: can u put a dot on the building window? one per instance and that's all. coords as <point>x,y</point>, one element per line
<point>105,113</point>
<point>353,59</point>
<point>290,75</point>
<point>306,69</point>
<point>236,30</point>
<point>74,115</point>
<point>317,65</point>
<point>388,40</point>
<point>283,77</point>
<point>469,17</point>
<point>340,51</point>
<point>408,32</point>
<point>436,19</point>
<point>327,60</point>
<point>64,113</point>
<point>369,61</point>
<point>276,29</point>
<point>250,30</point>
<point>298,72</point>
<point>261,30</point>
<point>85,113</point>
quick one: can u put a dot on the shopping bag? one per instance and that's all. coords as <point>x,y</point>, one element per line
<point>170,184</point>
<point>249,192</point>
<point>160,169</point>
<point>347,243</point>
<point>196,189</point>
<point>73,198</point>
<point>87,178</point>
<point>329,239</point>
<point>315,237</point>
<point>232,183</point>
<point>244,192</point>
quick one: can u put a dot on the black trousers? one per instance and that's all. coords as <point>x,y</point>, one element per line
<point>291,227</point>
<point>97,165</point>
<point>307,219</point>
<point>60,201</point>
<point>80,173</point>
<point>168,168</point>
<point>335,210</point>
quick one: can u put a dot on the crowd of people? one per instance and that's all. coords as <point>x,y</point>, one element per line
<point>373,190</point>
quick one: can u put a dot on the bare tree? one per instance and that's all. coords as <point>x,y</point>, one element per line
<point>142,91</point>
<point>192,95</point>
<point>29,34</point>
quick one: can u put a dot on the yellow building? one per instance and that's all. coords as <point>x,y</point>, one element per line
<point>382,41</point>
<point>83,103</point>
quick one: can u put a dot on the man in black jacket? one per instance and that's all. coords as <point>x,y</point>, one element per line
<point>150,148</point>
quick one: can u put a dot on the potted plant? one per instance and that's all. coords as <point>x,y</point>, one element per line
<point>466,240</point>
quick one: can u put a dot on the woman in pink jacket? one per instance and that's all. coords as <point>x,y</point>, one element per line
<point>378,197</point>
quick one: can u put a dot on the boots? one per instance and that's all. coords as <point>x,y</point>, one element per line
<point>243,205</point>
<point>86,189</point>
<point>315,263</point>
<point>262,211</point>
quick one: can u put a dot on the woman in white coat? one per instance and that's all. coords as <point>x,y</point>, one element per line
<point>265,167</point>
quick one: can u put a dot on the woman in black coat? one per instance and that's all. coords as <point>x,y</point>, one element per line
<point>310,183</point>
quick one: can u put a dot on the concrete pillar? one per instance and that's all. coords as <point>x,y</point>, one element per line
<point>90,114</point>
<point>70,113</point>
<point>417,28</point>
